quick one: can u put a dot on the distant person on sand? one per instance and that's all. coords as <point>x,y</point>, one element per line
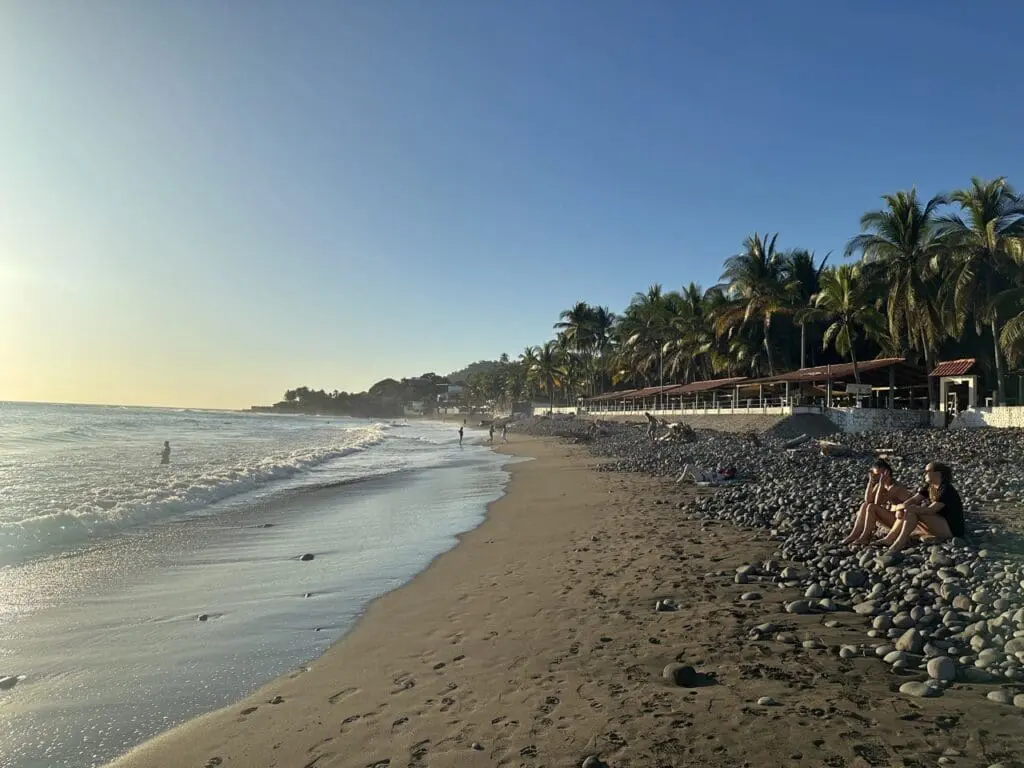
<point>652,425</point>
<point>880,495</point>
<point>460,435</point>
<point>504,433</point>
<point>935,510</point>
<point>490,437</point>
<point>165,454</point>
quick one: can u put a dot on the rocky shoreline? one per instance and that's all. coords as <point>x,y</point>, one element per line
<point>938,614</point>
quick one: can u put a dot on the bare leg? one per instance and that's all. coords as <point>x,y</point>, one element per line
<point>876,515</point>
<point>859,524</point>
<point>903,529</point>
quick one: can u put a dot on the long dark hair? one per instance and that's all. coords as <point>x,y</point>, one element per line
<point>945,473</point>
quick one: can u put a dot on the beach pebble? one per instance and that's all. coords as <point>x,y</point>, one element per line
<point>1018,701</point>
<point>306,557</point>
<point>1000,696</point>
<point>853,578</point>
<point>203,617</point>
<point>798,606</point>
<point>942,668</point>
<point>910,641</point>
<point>815,591</point>
<point>974,675</point>
<point>593,761</point>
<point>476,745</point>
<point>867,608</point>
<point>8,681</point>
<point>750,596</point>
<point>848,652</point>
<point>680,674</point>
<point>920,690</point>
<point>665,605</point>
<point>767,701</point>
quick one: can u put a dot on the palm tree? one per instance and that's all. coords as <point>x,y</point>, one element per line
<point>844,301</point>
<point>644,330</point>
<point>576,326</point>
<point>756,281</point>
<point>603,327</point>
<point>801,272</point>
<point>983,257</point>
<point>903,245</point>
<point>691,335</point>
<point>547,367</point>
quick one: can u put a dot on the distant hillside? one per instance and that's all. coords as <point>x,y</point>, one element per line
<point>480,366</point>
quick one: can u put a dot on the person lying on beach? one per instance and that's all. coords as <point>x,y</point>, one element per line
<point>879,496</point>
<point>717,475</point>
<point>935,510</point>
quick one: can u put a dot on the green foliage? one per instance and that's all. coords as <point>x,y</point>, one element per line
<point>931,284</point>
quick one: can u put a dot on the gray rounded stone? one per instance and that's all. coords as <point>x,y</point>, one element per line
<point>942,668</point>
<point>680,674</point>
<point>920,690</point>
<point>1000,696</point>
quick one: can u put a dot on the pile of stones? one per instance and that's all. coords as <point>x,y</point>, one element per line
<point>943,612</point>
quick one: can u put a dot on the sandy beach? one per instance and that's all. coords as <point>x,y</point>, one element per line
<point>535,642</point>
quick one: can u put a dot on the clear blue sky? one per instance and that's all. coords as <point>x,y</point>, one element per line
<point>203,203</point>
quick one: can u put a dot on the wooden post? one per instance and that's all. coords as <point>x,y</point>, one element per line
<point>828,386</point>
<point>892,387</point>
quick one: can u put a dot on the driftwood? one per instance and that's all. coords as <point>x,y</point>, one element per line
<point>828,448</point>
<point>795,442</point>
<point>678,433</point>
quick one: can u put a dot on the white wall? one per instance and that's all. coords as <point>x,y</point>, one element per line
<point>1002,417</point>
<point>872,419</point>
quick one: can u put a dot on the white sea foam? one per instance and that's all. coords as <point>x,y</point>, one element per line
<point>72,474</point>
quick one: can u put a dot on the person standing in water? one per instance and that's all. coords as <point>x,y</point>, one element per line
<point>490,438</point>
<point>460,435</point>
<point>504,433</point>
<point>165,454</point>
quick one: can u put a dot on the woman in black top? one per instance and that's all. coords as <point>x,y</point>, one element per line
<point>936,510</point>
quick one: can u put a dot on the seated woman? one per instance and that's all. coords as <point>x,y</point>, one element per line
<point>936,510</point>
<point>881,493</point>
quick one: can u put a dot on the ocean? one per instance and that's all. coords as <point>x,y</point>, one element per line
<point>135,595</point>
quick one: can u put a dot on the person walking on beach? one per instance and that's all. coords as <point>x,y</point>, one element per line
<point>460,436</point>
<point>504,433</point>
<point>165,454</point>
<point>490,434</point>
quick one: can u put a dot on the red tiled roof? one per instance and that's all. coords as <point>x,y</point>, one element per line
<point>705,386</point>
<point>834,372</point>
<point>954,367</point>
<point>622,394</point>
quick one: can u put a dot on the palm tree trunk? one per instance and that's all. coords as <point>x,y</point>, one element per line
<point>803,345</point>
<point>1000,376</point>
<point>853,359</point>
<point>929,363</point>
<point>768,346</point>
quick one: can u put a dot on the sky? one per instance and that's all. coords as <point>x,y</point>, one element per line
<point>205,203</point>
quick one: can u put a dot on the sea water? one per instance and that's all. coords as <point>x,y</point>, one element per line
<point>134,595</point>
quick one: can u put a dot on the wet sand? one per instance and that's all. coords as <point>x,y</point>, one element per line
<point>534,642</point>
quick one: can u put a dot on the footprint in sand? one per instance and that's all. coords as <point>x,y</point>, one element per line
<point>213,762</point>
<point>344,693</point>
<point>400,721</point>
<point>249,710</point>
